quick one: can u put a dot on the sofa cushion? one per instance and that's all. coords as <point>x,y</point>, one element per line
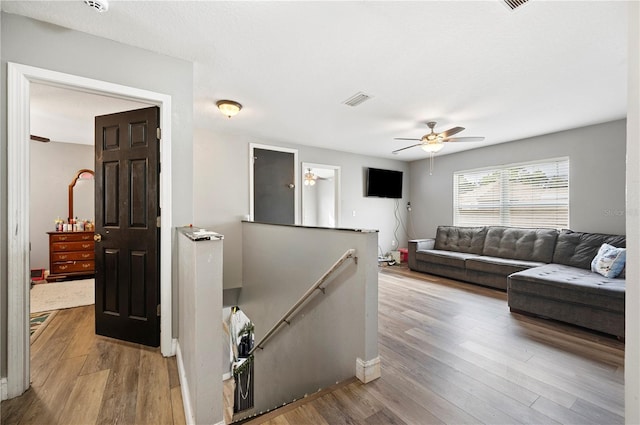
<point>570,284</point>
<point>447,258</point>
<point>520,243</point>
<point>460,239</point>
<point>501,266</point>
<point>578,249</point>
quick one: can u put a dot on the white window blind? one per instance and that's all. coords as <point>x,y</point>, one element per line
<point>520,195</point>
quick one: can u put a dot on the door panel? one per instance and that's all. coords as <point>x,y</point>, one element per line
<point>273,194</point>
<point>127,257</point>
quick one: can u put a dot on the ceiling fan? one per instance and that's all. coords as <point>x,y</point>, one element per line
<point>433,141</point>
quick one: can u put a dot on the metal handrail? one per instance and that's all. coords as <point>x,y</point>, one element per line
<point>285,319</point>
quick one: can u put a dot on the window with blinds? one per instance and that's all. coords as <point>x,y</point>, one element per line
<point>522,195</point>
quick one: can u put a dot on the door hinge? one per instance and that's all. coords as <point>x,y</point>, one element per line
<point>158,221</point>
<point>158,133</point>
<point>158,310</point>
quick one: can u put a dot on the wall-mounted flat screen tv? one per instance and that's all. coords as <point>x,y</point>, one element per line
<point>384,183</point>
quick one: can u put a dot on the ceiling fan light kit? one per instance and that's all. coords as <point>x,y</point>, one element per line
<point>434,142</point>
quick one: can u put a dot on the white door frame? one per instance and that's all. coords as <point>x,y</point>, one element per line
<point>19,78</point>
<point>296,173</point>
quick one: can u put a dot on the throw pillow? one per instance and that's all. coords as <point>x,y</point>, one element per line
<point>610,261</point>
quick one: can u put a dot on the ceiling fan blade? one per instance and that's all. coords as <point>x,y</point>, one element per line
<point>40,139</point>
<point>464,139</point>
<point>407,147</point>
<point>402,138</point>
<point>451,132</point>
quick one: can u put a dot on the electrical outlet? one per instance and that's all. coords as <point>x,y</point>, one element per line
<point>409,206</point>
<point>394,243</point>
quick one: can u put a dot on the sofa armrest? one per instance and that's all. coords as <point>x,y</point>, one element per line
<point>416,245</point>
<point>420,244</point>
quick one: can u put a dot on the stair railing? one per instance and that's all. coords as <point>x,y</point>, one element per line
<point>286,318</point>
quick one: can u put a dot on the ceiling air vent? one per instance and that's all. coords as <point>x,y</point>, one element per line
<point>357,99</point>
<point>514,4</point>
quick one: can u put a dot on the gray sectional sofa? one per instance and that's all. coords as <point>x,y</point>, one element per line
<point>545,272</point>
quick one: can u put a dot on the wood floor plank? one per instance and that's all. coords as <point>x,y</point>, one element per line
<point>83,404</point>
<point>172,367</point>
<point>153,405</point>
<point>177,409</point>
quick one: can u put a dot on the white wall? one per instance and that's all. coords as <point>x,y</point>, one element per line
<point>221,182</point>
<point>53,166</point>
<point>43,45</point>
<point>632,348</point>
<point>597,180</point>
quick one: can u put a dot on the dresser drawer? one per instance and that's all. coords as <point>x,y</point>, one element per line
<point>70,237</point>
<point>73,266</point>
<point>67,256</point>
<point>72,246</point>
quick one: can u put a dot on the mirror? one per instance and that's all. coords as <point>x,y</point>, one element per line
<point>320,195</point>
<point>81,195</point>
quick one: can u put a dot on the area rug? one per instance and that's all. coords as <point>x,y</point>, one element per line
<point>56,296</point>
<point>38,322</point>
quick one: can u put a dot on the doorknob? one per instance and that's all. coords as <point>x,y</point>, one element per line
<point>97,237</point>
<point>291,185</point>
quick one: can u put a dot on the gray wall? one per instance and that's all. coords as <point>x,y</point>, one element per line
<point>200,297</point>
<point>35,43</point>
<point>53,165</point>
<point>221,170</point>
<point>597,177</point>
<point>323,341</point>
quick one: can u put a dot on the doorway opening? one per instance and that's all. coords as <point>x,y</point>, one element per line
<point>19,80</point>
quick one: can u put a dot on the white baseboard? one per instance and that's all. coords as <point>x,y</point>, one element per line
<point>174,344</point>
<point>3,389</point>
<point>184,388</point>
<point>367,371</point>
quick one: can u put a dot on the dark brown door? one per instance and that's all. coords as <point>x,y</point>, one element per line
<point>273,187</point>
<point>127,256</point>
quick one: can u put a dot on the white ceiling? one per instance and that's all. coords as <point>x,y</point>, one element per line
<point>67,116</point>
<point>502,74</point>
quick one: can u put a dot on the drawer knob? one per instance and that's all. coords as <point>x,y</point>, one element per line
<point>97,237</point>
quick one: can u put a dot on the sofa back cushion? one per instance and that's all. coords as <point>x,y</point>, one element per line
<point>520,243</point>
<point>469,240</point>
<point>578,249</point>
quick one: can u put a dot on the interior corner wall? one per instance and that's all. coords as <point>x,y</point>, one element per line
<point>53,166</point>
<point>221,187</point>
<point>596,154</point>
<point>30,42</point>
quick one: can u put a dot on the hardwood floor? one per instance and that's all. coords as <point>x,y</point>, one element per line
<point>80,378</point>
<point>452,353</point>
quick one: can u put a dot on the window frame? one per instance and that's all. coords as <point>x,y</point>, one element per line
<point>504,192</point>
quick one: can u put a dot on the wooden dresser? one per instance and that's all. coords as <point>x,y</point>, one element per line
<point>71,254</point>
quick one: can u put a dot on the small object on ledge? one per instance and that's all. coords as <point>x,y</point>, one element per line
<point>201,234</point>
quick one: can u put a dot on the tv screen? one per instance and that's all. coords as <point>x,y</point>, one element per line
<point>384,183</point>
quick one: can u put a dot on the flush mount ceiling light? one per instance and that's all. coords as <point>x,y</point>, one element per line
<point>98,5</point>
<point>229,107</point>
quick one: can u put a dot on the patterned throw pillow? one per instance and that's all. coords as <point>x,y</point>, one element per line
<point>609,261</point>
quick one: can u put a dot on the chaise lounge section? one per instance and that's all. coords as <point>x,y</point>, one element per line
<point>545,272</point>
